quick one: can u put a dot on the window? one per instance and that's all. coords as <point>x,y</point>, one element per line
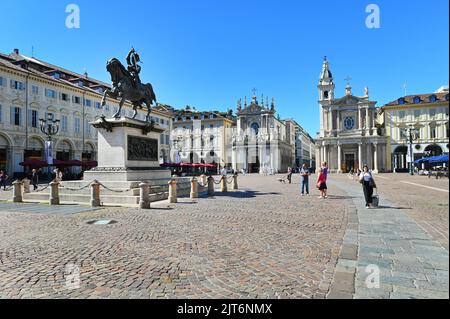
<point>77,125</point>
<point>2,81</point>
<point>88,128</point>
<point>325,95</point>
<point>417,100</point>
<point>17,85</point>
<point>402,115</point>
<point>34,118</point>
<point>433,132</point>
<point>106,107</point>
<point>401,101</point>
<point>50,93</point>
<point>417,114</point>
<point>433,99</point>
<point>88,103</point>
<point>64,97</point>
<point>16,116</point>
<point>98,105</point>
<point>349,123</point>
<point>76,99</point>
<point>64,123</point>
<point>35,90</point>
<point>432,113</point>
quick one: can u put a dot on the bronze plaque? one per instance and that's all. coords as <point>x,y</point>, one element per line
<point>142,149</point>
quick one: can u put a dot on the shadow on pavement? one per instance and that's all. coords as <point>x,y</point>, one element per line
<point>240,194</point>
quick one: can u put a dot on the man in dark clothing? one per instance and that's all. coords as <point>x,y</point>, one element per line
<point>305,173</point>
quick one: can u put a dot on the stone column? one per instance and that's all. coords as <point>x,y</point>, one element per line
<point>26,185</point>
<point>144,196</point>
<point>224,185</point>
<point>54,193</point>
<point>375,158</point>
<point>211,186</point>
<point>367,120</point>
<point>17,192</point>
<point>203,179</point>
<point>360,119</point>
<point>330,119</point>
<point>194,188</point>
<point>235,182</point>
<point>360,162</point>
<point>339,169</point>
<point>173,191</point>
<point>95,194</point>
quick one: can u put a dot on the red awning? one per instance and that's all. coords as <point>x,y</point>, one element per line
<point>34,163</point>
<point>90,163</point>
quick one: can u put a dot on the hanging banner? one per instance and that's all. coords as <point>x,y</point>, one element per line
<point>49,152</point>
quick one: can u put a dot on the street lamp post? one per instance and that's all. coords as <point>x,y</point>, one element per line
<point>411,133</point>
<point>49,127</point>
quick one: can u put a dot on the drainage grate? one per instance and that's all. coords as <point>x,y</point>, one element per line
<point>102,222</point>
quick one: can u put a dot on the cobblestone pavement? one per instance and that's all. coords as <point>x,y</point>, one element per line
<point>264,241</point>
<point>411,261</point>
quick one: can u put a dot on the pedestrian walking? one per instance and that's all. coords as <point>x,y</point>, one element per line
<point>58,175</point>
<point>368,184</point>
<point>289,177</point>
<point>35,178</point>
<point>322,183</point>
<point>3,179</point>
<point>305,173</point>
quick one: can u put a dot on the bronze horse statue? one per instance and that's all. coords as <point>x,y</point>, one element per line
<point>125,88</point>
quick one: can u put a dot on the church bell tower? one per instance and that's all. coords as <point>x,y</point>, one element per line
<point>326,93</point>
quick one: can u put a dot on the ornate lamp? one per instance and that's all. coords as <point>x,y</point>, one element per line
<point>49,126</point>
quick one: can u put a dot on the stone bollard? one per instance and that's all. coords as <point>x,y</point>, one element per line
<point>95,194</point>
<point>203,179</point>
<point>54,193</point>
<point>173,191</point>
<point>17,192</point>
<point>211,186</point>
<point>194,188</point>
<point>224,184</point>
<point>144,196</point>
<point>235,182</point>
<point>26,185</point>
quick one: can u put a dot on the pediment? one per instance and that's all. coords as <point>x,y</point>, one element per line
<point>348,100</point>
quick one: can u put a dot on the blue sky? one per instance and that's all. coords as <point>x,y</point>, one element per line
<point>209,53</point>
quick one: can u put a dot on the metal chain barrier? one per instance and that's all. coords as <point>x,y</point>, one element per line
<point>115,190</point>
<point>230,180</point>
<point>42,189</point>
<point>217,183</point>
<point>76,189</point>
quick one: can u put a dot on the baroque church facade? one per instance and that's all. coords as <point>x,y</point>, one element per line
<point>350,136</point>
<point>261,142</point>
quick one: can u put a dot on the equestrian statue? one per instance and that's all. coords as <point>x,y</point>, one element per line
<point>126,85</point>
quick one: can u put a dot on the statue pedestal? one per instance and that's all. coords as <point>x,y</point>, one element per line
<point>128,151</point>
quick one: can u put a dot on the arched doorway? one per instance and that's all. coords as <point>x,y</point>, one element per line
<point>35,149</point>
<point>433,150</point>
<point>399,159</point>
<point>63,151</point>
<point>4,146</point>
<point>88,153</point>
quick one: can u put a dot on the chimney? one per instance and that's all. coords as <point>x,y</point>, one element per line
<point>16,51</point>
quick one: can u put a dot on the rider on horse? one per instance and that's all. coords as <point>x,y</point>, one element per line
<point>133,67</point>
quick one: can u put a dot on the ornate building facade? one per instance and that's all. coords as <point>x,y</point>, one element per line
<point>261,141</point>
<point>428,114</point>
<point>349,136</point>
<point>31,89</point>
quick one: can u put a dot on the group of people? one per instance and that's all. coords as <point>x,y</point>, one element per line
<point>33,175</point>
<point>365,178</point>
